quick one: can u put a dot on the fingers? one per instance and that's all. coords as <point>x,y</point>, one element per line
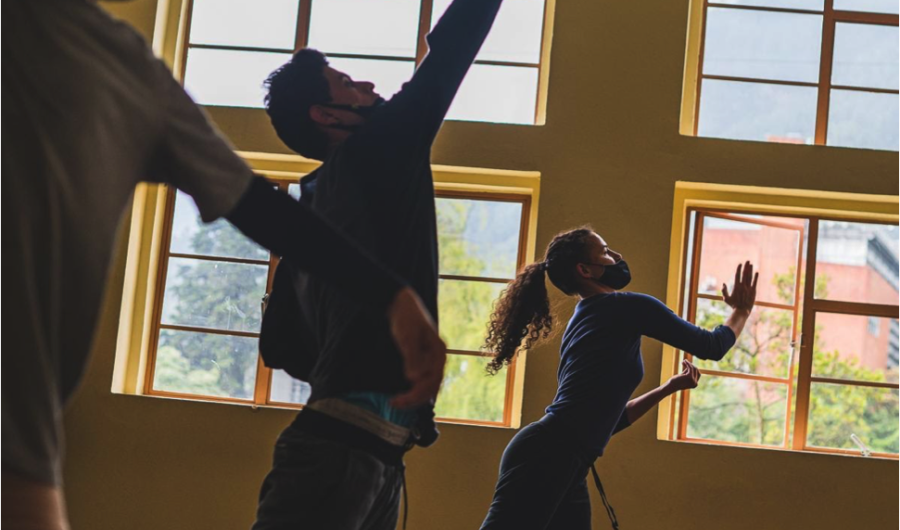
<point>753,285</point>
<point>737,275</point>
<point>725,294</point>
<point>748,273</point>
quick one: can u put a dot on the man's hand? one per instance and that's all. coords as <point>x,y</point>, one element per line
<point>424,353</point>
<point>743,294</point>
<point>687,379</point>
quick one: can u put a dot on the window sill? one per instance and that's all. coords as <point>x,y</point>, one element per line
<point>886,457</point>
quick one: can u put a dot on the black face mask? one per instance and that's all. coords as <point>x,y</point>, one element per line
<point>364,112</point>
<point>617,276</point>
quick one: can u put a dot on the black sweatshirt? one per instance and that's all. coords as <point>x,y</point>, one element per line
<point>271,218</point>
<point>601,365</point>
<point>377,187</point>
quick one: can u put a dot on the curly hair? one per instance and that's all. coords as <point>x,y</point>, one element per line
<point>522,316</point>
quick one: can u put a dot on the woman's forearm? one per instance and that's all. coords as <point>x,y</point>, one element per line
<point>737,320</point>
<point>642,404</point>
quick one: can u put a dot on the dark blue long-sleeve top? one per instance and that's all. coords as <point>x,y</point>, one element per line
<point>601,366</point>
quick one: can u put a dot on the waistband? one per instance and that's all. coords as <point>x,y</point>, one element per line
<point>337,430</point>
<point>364,419</point>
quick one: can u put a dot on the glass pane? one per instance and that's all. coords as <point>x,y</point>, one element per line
<point>863,119</point>
<point>365,27</point>
<point>286,389</point>
<point>499,94</point>
<point>230,78</point>
<point>737,410</point>
<point>837,411</point>
<point>212,294</point>
<point>388,76</point>
<point>762,45</point>
<point>764,348</point>
<point>191,236</point>
<point>464,309</point>
<point>772,250</point>
<point>857,262</point>
<point>870,6</point>
<point>865,55</point>
<point>858,348</point>
<point>294,191</point>
<point>252,23</point>
<point>809,5</point>
<point>757,111</point>
<point>469,393</point>
<point>205,364</point>
<point>478,238</point>
<point>516,34</point>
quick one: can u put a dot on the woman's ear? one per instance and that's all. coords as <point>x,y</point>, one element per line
<point>585,271</point>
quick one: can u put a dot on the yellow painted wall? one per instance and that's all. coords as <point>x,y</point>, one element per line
<point>609,155</point>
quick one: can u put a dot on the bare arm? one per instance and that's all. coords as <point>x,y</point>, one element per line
<point>637,407</point>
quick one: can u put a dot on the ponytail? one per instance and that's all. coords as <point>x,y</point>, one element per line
<point>522,316</point>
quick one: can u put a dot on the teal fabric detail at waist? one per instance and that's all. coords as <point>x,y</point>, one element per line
<point>379,403</point>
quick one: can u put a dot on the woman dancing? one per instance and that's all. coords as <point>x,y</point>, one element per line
<point>542,483</point>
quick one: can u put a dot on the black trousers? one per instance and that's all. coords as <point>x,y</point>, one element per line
<point>542,484</point>
<point>319,483</point>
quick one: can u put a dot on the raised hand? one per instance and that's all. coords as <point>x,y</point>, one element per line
<point>687,379</point>
<point>743,294</point>
<point>424,353</point>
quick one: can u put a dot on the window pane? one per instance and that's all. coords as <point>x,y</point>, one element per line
<point>388,76</point>
<point>230,78</point>
<point>464,309</point>
<point>837,411</point>
<point>365,27</point>
<point>858,348</point>
<point>286,389</point>
<point>253,23</point>
<point>772,250</point>
<point>478,238</point>
<point>757,111</point>
<point>762,45</point>
<point>865,55</point>
<point>863,119</point>
<point>294,191</point>
<point>212,294</point>
<point>516,34</point>
<point>871,6</point>
<point>205,364</point>
<point>764,348</point>
<point>499,94</point>
<point>857,262</point>
<point>469,393</point>
<point>737,410</point>
<point>809,5</point>
<point>191,236</point>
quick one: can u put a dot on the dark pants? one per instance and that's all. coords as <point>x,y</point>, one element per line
<point>542,485</point>
<point>320,484</point>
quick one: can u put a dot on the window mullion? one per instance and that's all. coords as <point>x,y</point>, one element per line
<point>692,312</point>
<point>301,38</point>
<point>826,59</point>
<point>425,11</point>
<point>807,337</point>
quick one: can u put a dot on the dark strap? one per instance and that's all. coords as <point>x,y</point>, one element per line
<point>405,498</point>
<point>609,509</point>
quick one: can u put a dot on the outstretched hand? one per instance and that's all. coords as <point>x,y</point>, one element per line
<point>423,351</point>
<point>743,294</point>
<point>687,379</point>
